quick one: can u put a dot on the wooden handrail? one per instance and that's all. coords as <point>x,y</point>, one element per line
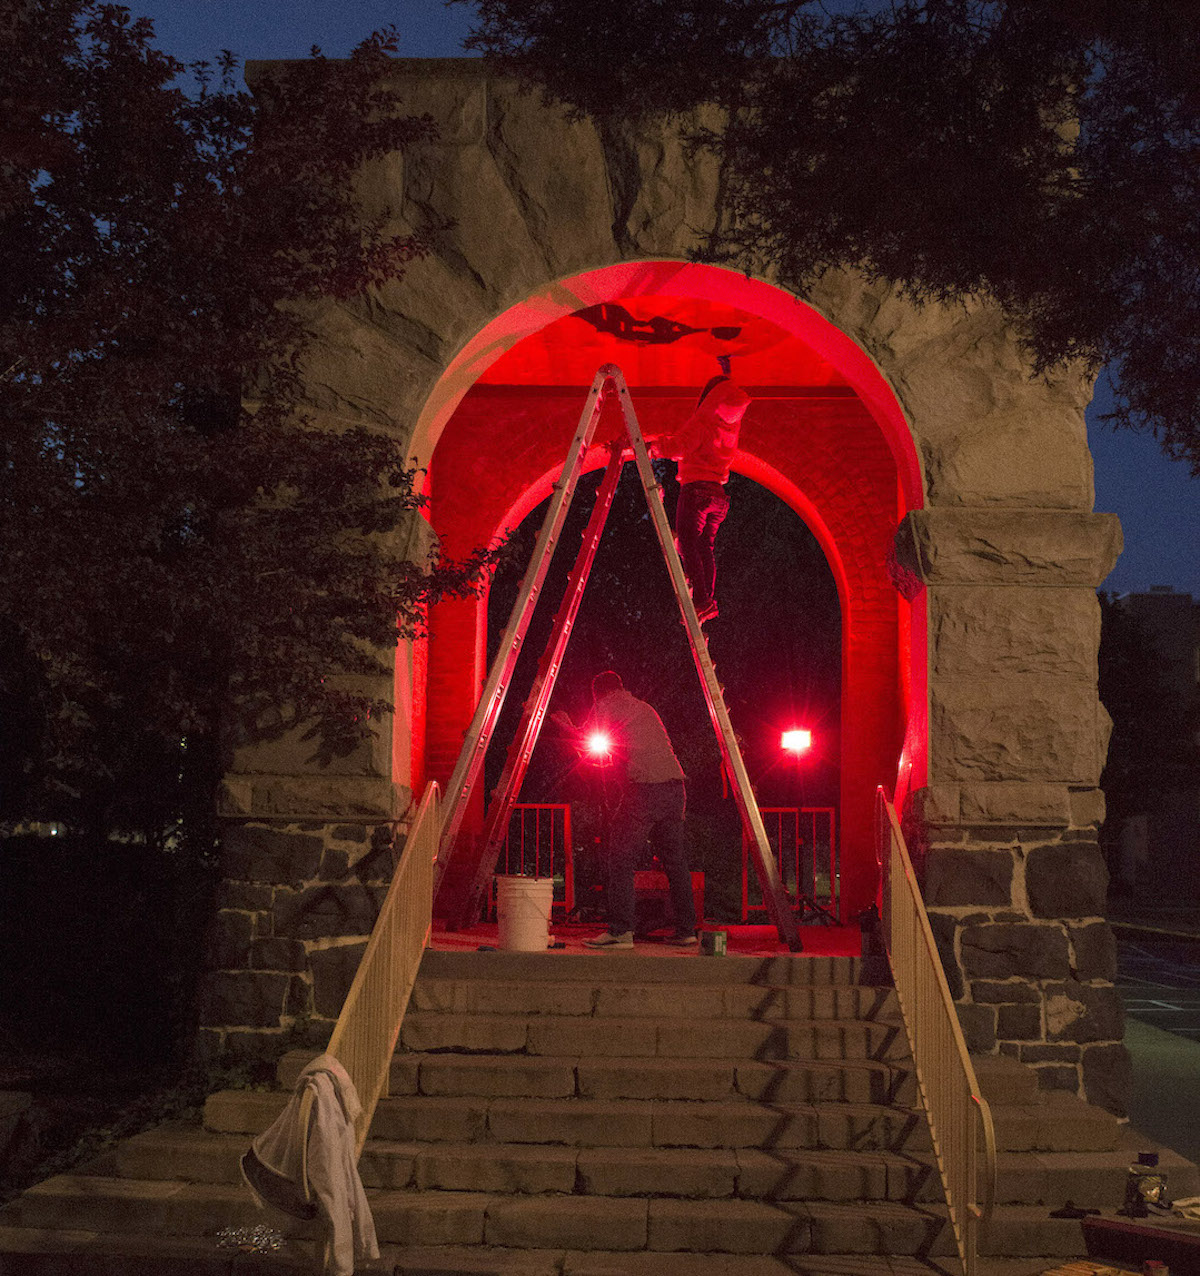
<point>364,1038</point>
<point>949,1089</point>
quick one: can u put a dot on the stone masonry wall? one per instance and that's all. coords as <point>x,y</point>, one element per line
<point>521,200</point>
<point>1006,835</point>
<point>294,912</point>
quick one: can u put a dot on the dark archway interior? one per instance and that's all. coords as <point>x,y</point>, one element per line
<point>776,645</point>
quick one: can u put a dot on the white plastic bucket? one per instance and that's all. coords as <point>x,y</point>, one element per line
<point>523,911</point>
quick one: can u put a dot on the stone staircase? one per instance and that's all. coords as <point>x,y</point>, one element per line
<point>614,1114</point>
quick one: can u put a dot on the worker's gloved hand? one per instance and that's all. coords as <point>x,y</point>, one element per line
<point>561,720</point>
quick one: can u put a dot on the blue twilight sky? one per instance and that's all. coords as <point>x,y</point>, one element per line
<point>1158,504</point>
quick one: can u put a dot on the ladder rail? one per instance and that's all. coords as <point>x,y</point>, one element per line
<point>469,766</point>
<point>525,741</point>
<point>764,862</point>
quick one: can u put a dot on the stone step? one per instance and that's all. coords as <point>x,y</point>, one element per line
<point>631,966</point>
<point>556,1077</point>
<point>546,1221</point>
<point>1056,1122</point>
<point>599,1037</point>
<point>55,1252</point>
<point>627,1000</point>
<point>1090,1179</point>
<point>28,1252</point>
<point>195,1155</point>
<point>462,1261</point>
<point>605,1123</point>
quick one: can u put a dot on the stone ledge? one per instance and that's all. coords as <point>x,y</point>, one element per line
<point>330,799</point>
<point>1008,547</point>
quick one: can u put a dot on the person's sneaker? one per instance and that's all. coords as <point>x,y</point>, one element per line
<point>609,940</point>
<point>708,613</point>
<point>683,941</point>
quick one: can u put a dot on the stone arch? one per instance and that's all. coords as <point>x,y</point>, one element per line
<point>837,449</point>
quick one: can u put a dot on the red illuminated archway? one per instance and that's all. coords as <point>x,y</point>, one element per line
<point>825,434</point>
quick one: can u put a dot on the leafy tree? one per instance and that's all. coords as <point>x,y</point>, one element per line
<point>1043,154</point>
<point>168,548</point>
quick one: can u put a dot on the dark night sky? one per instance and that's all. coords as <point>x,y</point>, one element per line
<point>1158,504</point>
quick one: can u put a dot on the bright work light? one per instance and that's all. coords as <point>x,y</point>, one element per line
<point>797,741</point>
<point>599,744</point>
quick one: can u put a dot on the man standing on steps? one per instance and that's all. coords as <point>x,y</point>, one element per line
<point>704,448</point>
<point>650,804</point>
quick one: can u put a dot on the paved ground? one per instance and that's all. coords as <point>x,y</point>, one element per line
<point>1158,960</point>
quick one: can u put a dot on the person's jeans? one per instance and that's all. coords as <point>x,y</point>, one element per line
<point>701,511</point>
<point>649,810</point>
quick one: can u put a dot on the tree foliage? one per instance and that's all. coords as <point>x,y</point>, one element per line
<point>1043,154</point>
<point>168,547</point>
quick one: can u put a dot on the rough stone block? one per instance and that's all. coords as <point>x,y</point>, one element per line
<point>1067,879</point>
<point>250,998</point>
<point>945,929</point>
<point>307,797</point>
<point>1002,632</point>
<point>1054,1076</point>
<point>1108,1077</point>
<point>1026,728</point>
<point>978,1026</point>
<point>1088,808</point>
<point>1083,1012</point>
<point>1094,951</point>
<point>1019,1023</point>
<point>333,971</point>
<point>1041,1053</point>
<point>1001,951</point>
<point>259,853</point>
<point>1015,805</point>
<point>322,912</point>
<point>934,806</point>
<point>229,941</point>
<point>298,1002</point>
<point>250,897</point>
<point>957,877</point>
<point>277,954</point>
<point>1010,547</point>
<point>988,992</point>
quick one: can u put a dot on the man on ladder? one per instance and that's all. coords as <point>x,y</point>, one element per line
<point>704,447</point>
<point>651,803</point>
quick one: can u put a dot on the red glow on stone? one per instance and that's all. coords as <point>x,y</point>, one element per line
<point>797,741</point>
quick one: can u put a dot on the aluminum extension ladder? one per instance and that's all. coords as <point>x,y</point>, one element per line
<point>465,865</point>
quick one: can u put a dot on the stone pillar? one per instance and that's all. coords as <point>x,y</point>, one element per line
<point>1005,833</point>
<point>307,857</point>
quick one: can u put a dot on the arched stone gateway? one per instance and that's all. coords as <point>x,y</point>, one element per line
<point>951,493</point>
